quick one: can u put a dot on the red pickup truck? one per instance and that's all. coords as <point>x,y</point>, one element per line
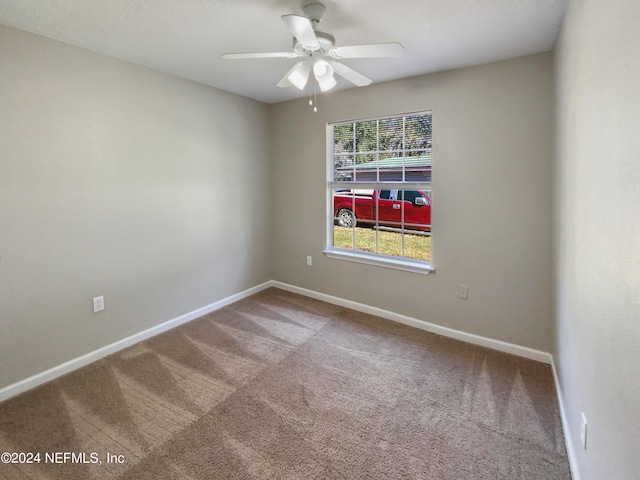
<point>384,208</point>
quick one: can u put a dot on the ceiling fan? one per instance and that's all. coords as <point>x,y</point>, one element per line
<point>319,53</point>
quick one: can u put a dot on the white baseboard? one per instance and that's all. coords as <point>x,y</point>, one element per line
<point>571,453</point>
<point>499,345</point>
<point>48,375</point>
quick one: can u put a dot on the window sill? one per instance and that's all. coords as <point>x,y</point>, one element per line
<point>413,266</point>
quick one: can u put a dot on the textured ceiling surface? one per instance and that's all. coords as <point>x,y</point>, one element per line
<point>188,37</point>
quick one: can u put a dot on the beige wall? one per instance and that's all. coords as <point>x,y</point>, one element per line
<point>597,244</point>
<point>118,181</point>
<point>492,133</point>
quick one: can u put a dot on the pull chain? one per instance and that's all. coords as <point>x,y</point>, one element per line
<point>315,107</point>
<point>313,101</point>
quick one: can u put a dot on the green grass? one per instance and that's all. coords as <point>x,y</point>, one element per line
<point>389,243</point>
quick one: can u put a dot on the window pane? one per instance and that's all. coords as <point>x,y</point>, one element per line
<point>390,242</point>
<point>390,133</point>
<point>418,132</point>
<point>367,136</point>
<point>344,207</point>
<point>417,246</point>
<point>415,211</point>
<point>417,167</point>
<point>343,138</point>
<point>344,218</point>
<point>391,167</point>
<point>365,239</point>
<point>343,168</point>
<point>366,167</point>
<point>342,237</point>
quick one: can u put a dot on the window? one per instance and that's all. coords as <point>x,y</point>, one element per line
<point>379,191</point>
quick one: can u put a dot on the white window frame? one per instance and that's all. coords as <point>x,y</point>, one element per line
<point>361,256</point>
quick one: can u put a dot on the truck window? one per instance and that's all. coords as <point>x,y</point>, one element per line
<point>410,195</point>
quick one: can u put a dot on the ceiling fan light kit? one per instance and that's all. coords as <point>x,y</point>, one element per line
<point>324,75</point>
<point>320,53</point>
<point>298,75</point>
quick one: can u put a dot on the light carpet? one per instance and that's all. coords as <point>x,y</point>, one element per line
<point>281,386</point>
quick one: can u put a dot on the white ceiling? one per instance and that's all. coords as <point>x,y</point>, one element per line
<point>188,37</point>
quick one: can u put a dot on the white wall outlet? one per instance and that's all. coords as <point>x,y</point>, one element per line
<point>463,292</point>
<point>309,261</point>
<point>98,304</point>
<point>583,431</point>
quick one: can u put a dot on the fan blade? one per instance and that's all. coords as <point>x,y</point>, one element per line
<point>296,77</point>
<point>239,56</point>
<point>379,50</point>
<point>302,29</point>
<point>350,74</point>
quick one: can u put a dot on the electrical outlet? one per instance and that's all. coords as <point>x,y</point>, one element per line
<point>309,261</point>
<point>98,304</point>
<point>583,431</point>
<point>463,292</point>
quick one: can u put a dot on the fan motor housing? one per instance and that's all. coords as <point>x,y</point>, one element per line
<point>325,43</point>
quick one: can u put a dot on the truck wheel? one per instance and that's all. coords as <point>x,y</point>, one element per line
<point>346,218</point>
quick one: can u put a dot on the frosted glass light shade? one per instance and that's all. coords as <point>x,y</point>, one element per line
<point>299,75</point>
<point>323,72</point>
